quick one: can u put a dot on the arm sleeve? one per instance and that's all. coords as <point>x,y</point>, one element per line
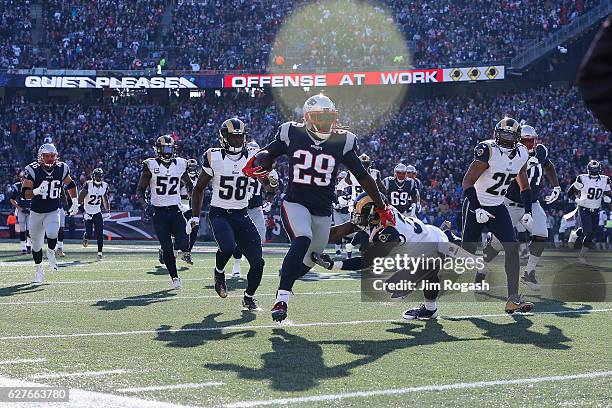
<point>387,234</point>
<point>279,145</point>
<point>66,170</point>
<point>482,152</point>
<point>350,158</point>
<point>541,154</point>
<point>207,163</point>
<point>386,182</point>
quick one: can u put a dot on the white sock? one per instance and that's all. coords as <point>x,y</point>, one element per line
<point>430,305</point>
<point>100,253</point>
<point>23,245</point>
<point>338,248</point>
<point>60,244</point>
<point>337,265</point>
<point>247,295</point>
<point>532,262</point>
<point>283,296</point>
<point>28,242</point>
<point>238,261</point>
<point>218,271</point>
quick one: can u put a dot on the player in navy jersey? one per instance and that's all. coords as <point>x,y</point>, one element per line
<point>538,165</point>
<point>22,209</point>
<point>315,149</point>
<point>401,191</point>
<point>43,184</point>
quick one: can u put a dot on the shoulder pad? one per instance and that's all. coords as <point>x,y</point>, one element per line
<point>482,151</point>
<point>387,234</point>
<point>283,131</point>
<point>295,124</point>
<point>350,143</point>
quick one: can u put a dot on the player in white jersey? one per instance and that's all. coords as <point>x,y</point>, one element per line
<point>228,217</point>
<point>258,199</point>
<point>163,176</point>
<point>538,165</point>
<point>92,196</point>
<point>594,187</point>
<point>341,212</point>
<point>409,236</point>
<point>496,163</point>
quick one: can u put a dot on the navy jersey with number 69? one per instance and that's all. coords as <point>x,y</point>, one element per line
<point>399,195</point>
<point>51,200</point>
<point>313,164</point>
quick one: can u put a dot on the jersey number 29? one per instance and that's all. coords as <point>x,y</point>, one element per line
<point>322,165</point>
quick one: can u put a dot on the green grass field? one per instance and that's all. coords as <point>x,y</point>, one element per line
<point>117,327</point>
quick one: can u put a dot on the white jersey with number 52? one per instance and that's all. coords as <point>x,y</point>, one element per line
<point>493,183</point>
<point>165,181</point>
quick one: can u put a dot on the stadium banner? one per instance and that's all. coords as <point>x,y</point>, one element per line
<point>413,76</point>
<point>217,81</point>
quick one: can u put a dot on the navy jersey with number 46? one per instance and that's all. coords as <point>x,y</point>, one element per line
<point>50,201</point>
<point>313,164</point>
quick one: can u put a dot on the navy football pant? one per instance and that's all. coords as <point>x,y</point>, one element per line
<point>501,227</point>
<point>589,222</point>
<point>234,229</point>
<point>169,222</point>
<point>97,222</point>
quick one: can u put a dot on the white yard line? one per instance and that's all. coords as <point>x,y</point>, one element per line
<point>47,376</point>
<point>424,388</point>
<point>90,399</point>
<point>22,361</point>
<point>152,298</point>
<point>271,326</point>
<point>169,387</point>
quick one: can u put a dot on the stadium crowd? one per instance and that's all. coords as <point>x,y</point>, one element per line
<point>436,135</point>
<point>213,35</point>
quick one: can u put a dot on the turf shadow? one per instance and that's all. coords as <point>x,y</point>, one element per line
<point>232,284</point>
<point>138,300</point>
<point>547,305</point>
<point>19,289</point>
<point>288,349</point>
<point>161,270</point>
<point>209,329</point>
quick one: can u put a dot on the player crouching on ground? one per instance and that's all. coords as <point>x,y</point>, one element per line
<point>409,236</point>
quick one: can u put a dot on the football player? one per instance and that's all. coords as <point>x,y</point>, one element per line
<point>341,212</point>
<point>43,185</point>
<point>352,181</point>
<point>92,196</point>
<point>255,209</point>
<point>163,175</point>
<point>593,187</point>
<point>402,192</point>
<point>22,210</point>
<point>192,171</point>
<point>228,215</point>
<point>314,148</point>
<point>538,165</point>
<point>496,163</point>
<point>409,236</point>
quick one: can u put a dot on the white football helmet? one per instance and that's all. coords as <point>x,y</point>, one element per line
<point>529,137</point>
<point>411,169</point>
<point>400,171</point>
<point>320,116</point>
<point>253,145</point>
<point>47,155</point>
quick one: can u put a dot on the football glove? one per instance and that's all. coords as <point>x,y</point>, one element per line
<point>106,215</point>
<point>607,199</point>
<point>554,195</point>
<point>194,222</point>
<point>483,216</point>
<point>147,214</point>
<point>43,189</point>
<point>254,172</point>
<point>267,206</point>
<point>74,209</point>
<point>386,216</point>
<point>527,220</point>
<point>86,217</point>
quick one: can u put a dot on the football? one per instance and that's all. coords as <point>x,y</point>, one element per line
<point>263,160</point>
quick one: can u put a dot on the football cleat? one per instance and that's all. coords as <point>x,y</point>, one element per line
<point>40,274</point>
<point>530,280</point>
<point>187,258</point>
<point>176,283</point>
<point>279,311</point>
<point>322,260</point>
<point>23,252</point>
<point>446,226</point>
<point>161,257</point>
<point>99,257</point>
<point>52,260</point>
<point>220,286</point>
<point>236,269</point>
<point>29,249</point>
<point>60,252</point>
<point>516,303</point>
<point>420,313</point>
<point>248,303</point>
<point>85,241</point>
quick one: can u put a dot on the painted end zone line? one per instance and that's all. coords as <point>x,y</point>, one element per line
<point>23,361</point>
<point>425,388</point>
<point>273,326</point>
<point>81,374</point>
<point>169,387</point>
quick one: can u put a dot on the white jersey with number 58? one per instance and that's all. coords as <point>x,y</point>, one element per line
<point>591,190</point>
<point>165,181</point>
<point>230,187</point>
<point>493,183</point>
